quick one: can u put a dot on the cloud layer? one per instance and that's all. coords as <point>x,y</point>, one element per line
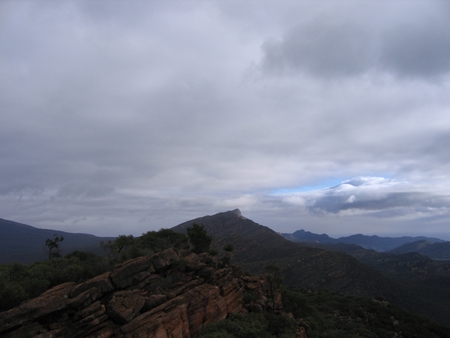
<point>126,118</point>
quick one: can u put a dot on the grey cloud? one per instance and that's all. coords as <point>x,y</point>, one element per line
<point>417,50</point>
<point>148,114</point>
<point>85,189</point>
<point>348,46</point>
<point>324,50</point>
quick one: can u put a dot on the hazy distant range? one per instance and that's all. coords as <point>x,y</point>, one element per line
<point>26,244</point>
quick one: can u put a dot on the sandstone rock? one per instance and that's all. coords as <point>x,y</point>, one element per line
<point>233,293</point>
<point>158,296</point>
<point>125,305</point>
<point>152,284</point>
<point>184,287</point>
<point>101,282</point>
<point>160,324</point>
<point>89,312</point>
<point>182,316</point>
<point>252,282</point>
<point>193,262</point>
<point>164,259</point>
<point>52,300</point>
<point>154,301</point>
<point>85,298</point>
<point>132,271</point>
<point>151,322</point>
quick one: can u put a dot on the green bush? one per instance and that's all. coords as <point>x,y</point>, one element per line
<point>199,238</point>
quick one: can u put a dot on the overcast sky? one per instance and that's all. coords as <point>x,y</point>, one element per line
<point>120,117</point>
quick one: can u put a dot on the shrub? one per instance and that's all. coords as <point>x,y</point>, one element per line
<point>198,238</point>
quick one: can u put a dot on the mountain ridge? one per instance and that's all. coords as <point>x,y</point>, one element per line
<point>373,242</point>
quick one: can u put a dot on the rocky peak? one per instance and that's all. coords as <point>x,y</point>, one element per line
<point>168,294</point>
<point>237,212</point>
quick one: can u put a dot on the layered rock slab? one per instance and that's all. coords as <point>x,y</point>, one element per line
<point>169,294</point>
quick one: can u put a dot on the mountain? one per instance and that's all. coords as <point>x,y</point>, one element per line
<point>257,246</point>
<point>438,250</point>
<point>413,283</point>
<point>367,242</point>
<point>307,236</point>
<point>26,244</point>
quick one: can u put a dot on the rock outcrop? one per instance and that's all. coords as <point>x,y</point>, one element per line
<point>169,294</point>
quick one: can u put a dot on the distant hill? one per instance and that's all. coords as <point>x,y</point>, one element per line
<point>437,250</point>
<point>23,243</point>
<point>377,243</point>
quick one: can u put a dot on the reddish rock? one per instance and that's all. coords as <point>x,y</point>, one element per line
<point>164,259</point>
<point>125,305</point>
<point>233,294</point>
<point>154,301</point>
<point>102,283</point>
<point>52,300</point>
<point>158,296</point>
<point>132,271</point>
<point>193,262</point>
<point>85,298</point>
<point>182,316</point>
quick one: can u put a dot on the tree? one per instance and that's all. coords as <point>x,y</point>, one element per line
<point>114,248</point>
<point>162,240</point>
<point>275,279</point>
<point>53,246</point>
<point>123,241</point>
<point>199,238</point>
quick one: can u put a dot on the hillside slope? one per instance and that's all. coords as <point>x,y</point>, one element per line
<point>359,274</point>
<point>23,243</point>
<point>439,250</point>
<point>257,246</point>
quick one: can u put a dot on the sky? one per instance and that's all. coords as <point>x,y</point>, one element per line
<point>122,117</point>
